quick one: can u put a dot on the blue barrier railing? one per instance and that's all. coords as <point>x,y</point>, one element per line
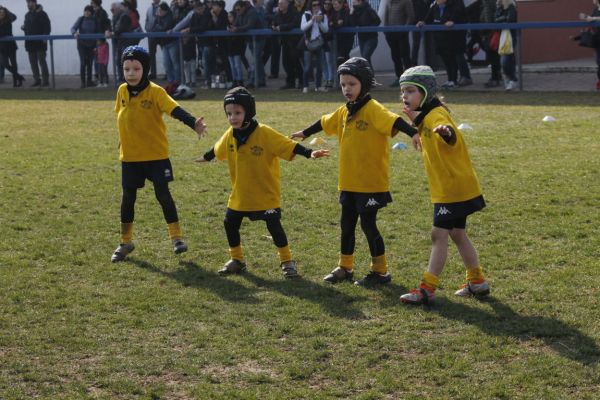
<point>254,33</point>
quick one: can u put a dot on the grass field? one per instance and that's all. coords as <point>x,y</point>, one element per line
<point>160,326</point>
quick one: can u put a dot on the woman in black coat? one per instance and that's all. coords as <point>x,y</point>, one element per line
<point>8,50</point>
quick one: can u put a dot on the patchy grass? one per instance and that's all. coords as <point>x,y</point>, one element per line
<point>73,325</point>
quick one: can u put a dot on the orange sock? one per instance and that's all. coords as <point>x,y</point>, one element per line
<point>430,281</point>
<point>346,261</point>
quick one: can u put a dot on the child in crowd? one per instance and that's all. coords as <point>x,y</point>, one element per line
<point>253,151</point>
<point>453,184</point>
<point>363,127</point>
<point>143,145</point>
<point>102,62</point>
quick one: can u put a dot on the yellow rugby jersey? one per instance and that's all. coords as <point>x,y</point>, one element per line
<point>254,167</point>
<point>142,130</point>
<point>449,170</point>
<point>364,160</point>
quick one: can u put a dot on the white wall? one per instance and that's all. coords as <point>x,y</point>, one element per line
<point>64,13</point>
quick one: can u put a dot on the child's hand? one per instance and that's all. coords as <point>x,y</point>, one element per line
<point>200,127</point>
<point>416,142</point>
<point>319,153</point>
<point>298,135</point>
<point>411,114</point>
<point>443,130</point>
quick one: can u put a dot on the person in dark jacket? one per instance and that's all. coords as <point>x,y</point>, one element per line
<point>8,50</point>
<point>249,19</point>
<point>219,22</point>
<point>595,17</point>
<point>164,22</point>
<point>363,15</point>
<point>272,47</point>
<point>399,12</point>
<point>86,24</point>
<point>445,12</point>
<point>121,23</point>
<point>420,7</point>
<point>37,23</point>
<point>286,18</point>
<point>340,18</point>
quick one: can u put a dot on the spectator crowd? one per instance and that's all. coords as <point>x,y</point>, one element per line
<point>310,58</point>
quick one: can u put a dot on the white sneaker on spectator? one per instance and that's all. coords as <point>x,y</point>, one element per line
<point>449,85</point>
<point>510,85</point>
<point>305,90</point>
<point>321,89</point>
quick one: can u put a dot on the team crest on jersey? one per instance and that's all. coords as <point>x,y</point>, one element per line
<point>256,150</point>
<point>147,104</point>
<point>362,125</point>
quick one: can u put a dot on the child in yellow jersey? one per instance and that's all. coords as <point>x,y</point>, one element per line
<point>363,127</point>
<point>143,146</point>
<point>453,184</point>
<point>253,151</point>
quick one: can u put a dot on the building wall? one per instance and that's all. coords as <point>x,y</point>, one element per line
<point>541,45</point>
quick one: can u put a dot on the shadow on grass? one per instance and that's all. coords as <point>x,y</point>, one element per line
<point>192,275</point>
<point>504,321</point>
<point>331,301</point>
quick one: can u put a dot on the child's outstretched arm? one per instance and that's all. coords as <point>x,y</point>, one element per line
<point>185,117</point>
<point>311,130</point>
<point>446,132</point>
<point>403,126</point>
<point>208,156</point>
<point>309,153</point>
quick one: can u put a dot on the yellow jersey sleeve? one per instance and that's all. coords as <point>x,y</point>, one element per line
<point>381,118</point>
<point>221,147</point>
<point>333,124</point>
<point>278,144</point>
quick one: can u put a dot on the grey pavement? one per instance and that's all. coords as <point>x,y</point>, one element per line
<point>573,75</point>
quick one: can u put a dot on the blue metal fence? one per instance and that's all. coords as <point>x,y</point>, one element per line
<point>518,27</point>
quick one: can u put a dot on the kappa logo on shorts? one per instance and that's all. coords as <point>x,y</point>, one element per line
<point>271,211</point>
<point>167,173</point>
<point>443,211</point>
<point>372,202</point>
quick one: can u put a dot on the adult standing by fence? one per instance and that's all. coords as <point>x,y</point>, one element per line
<point>595,17</point>
<point>286,18</point>
<point>152,42</point>
<point>507,13</point>
<point>8,50</point>
<point>488,13</point>
<point>121,23</point>
<point>399,12</point>
<point>86,24</point>
<point>363,15</point>
<point>37,23</point>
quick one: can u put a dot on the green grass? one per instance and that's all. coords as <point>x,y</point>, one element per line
<point>73,325</point>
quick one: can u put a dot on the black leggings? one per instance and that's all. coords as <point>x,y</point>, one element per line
<point>232,230</point>
<point>163,195</point>
<point>368,223</point>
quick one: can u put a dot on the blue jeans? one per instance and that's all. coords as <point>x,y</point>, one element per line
<point>207,62</point>
<point>237,68</point>
<point>309,57</point>
<point>367,48</point>
<point>508,66</point>
<point>328,64</point>
<point>171,61</point>
<point>257,68</point>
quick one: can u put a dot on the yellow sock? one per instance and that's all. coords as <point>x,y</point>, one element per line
<point>126,232</point>
<point>430,281</point>
<point>379,264</point>
<point>285,254</point>
<point>475,274</point>
<point>346,261</point>
<point>175,230</point>
<point>237,253</point>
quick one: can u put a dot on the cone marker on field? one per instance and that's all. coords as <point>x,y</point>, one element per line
<point>464,127</point>
<point>317,140</point>
<point>548,118</point>
<point>399,146</point>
